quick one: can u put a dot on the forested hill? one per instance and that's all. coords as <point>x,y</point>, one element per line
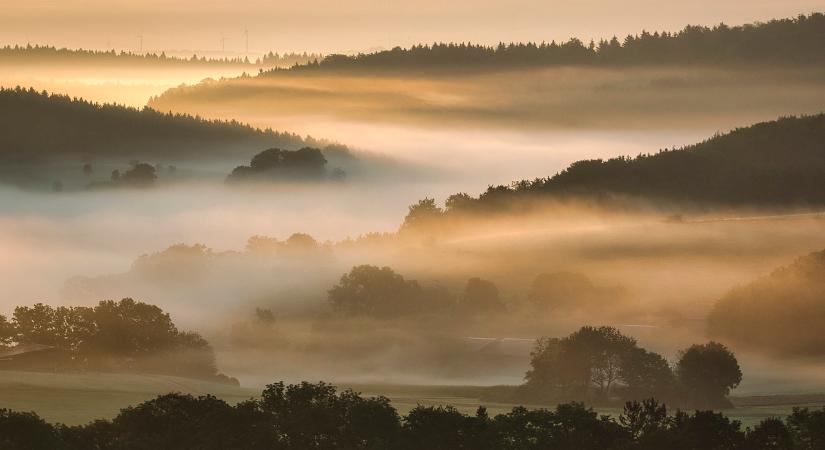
<point>778,163</point>
<point>795,41</point>
<point>38,127</point>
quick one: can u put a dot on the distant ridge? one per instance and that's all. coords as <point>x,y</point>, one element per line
<point>796,41</point>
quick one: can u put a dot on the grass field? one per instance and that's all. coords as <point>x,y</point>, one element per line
<point>80,398</point>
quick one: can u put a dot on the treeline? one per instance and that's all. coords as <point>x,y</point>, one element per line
<point>38,127</point>
<point>288,59</point>
<point>777,163</point>
<point>317,416</point>
<point>54,55</point>
<point>781,313</point>
<point>787,41</point>
<point>124,335</point>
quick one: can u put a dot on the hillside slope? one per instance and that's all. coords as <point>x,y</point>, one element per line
<point>37,127</point>
<point>778,163</point>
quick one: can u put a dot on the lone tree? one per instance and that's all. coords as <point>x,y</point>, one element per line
<point>141,174</point>
<point>708,373</point>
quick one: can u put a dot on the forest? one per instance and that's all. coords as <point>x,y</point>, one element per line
<point>782,41</point>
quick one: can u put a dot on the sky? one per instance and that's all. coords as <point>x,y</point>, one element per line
<point>357,25</point>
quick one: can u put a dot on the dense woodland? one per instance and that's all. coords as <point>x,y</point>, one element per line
<point>37,127</point>
<point>32,54</point>
<point>781,313</point>
<point>316,416</point>
<point>122,336</point>
<point>779,163</point>
<point>788,41</point>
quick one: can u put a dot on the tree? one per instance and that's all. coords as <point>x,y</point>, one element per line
<point>592,362</point>
<point>808,428</point>
<point>708,373</point>
<point>276,163</point>
<point>141,174</point>
<point>423,216</point>
<point>481,296</point>
<point>377,292</point>
<point>315,416</point>
<point>7,332</point>
<point>26,431</point>
<point>646,375</point>
<point>770,434</point>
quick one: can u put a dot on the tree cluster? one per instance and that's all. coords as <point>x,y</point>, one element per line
<point>786,41</point>
<point>316,416</point>
<point>124,335</point>
<point>278,164</point>
<point>604,366</point>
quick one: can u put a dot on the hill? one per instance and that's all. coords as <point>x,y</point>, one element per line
<point>778,163</point>
<point>784,41</point>
<point>781,313</point>
<point>36,127</point>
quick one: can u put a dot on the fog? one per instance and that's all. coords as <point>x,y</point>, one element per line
<point>131,85</point>
<point>185,245</point>
<point>654,279</point>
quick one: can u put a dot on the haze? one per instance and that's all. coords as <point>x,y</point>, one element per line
<point>331,26</point>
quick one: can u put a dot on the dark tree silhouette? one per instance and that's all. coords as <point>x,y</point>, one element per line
<point>707,373</point>
<point>377,292</point>
<point>481,296</point>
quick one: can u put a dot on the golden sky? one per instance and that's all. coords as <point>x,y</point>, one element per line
<point>329,26</point>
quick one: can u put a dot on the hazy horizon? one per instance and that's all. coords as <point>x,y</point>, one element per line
<point>363,25</point>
